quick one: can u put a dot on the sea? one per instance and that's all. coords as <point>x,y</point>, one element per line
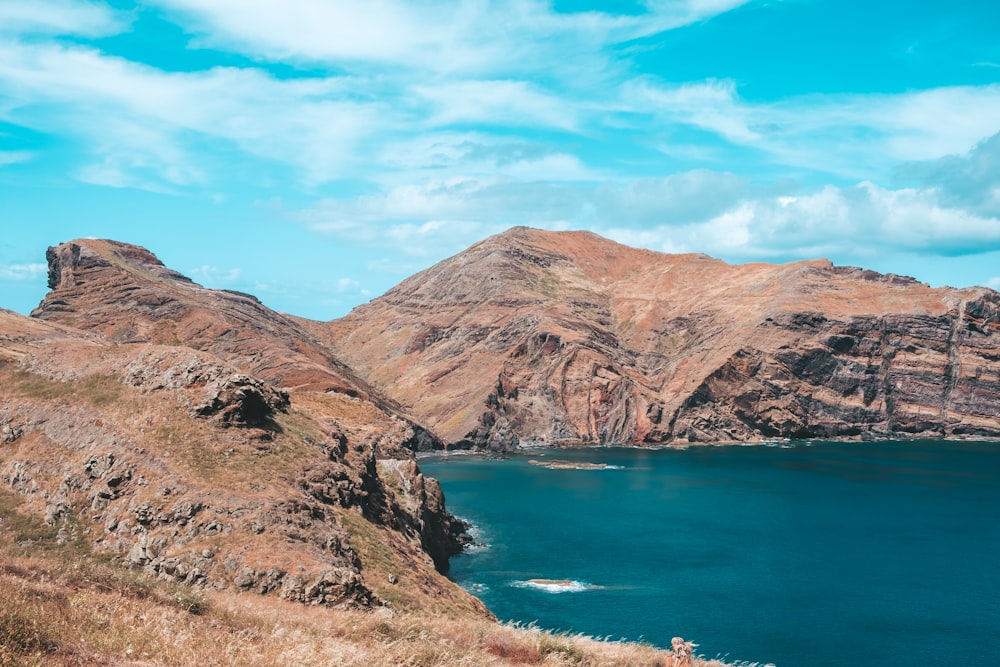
<point>812,554</point>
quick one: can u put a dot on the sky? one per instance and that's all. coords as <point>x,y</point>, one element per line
<point>317,152</point>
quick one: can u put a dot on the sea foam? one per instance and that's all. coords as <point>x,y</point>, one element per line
<point>555,585</point>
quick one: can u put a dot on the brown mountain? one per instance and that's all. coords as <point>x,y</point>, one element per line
<point>567,336</point>
<point>203,438</point>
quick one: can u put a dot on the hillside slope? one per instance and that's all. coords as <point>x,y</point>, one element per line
<point>567,336</point>
<point>203,438</point>
<point>182,468</point>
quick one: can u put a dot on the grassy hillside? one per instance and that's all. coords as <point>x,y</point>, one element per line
<point>63,605</point>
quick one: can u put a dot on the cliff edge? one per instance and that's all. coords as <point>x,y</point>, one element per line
<point>570,337</point>
<point>203,438</point>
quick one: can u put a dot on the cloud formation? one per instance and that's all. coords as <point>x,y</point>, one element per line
<point>143,125</point>
<point>22,271</point>
<point>59,17</point>
<point>467,38</point>
<point>412,128</point>
<point>970,181</point>
<point>699,211</point>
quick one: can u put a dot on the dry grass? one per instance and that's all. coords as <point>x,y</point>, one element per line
<point>97,390</point>
<point>62,606</point>
<point>163,424</point>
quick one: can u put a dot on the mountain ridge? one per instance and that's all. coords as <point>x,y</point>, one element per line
<point>569,337</point>
<point>205,440</point>
<point>201,437</point>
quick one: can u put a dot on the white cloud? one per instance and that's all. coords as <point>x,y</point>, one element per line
<point>347,285</point>
<point>679,198</point>
<point>139,119</point>
<point>167,131</point>
<point>22,271</point>
<point>510,103</point>
<point>467,37</point>
<point>970,181</point>
<point>711,105</point>
<point>440,156</point>
<point>441,207</point>
<point>14,157</point>
<point>211,275</point>
<point>698,211</point>
<point>347,30</point>
<point>59,17</point>
<point>858,136</point>
<point>860,221</point>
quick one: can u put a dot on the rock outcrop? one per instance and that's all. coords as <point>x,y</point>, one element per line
<point>569,337</point>
<point>126,295</point>
<point>199,436</point>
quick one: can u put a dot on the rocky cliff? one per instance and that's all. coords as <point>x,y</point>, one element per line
<point>569,337</point>
<point>204,438</point>
<point>200,436</point>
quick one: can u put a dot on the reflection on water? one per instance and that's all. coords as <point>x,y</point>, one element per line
<point>776,554</point>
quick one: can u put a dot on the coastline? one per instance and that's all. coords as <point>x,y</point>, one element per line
<point>541,447</point>
<point>702,517</point>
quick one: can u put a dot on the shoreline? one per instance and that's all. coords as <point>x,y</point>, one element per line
<point>541,447</point>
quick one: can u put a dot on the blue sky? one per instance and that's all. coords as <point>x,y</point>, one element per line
<point>317,152</point>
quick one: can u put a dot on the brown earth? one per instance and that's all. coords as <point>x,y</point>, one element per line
<point>162,417</point>
<point>200,437</point>
<point>569,337</point>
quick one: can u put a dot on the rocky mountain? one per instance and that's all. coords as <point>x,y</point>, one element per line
<point>204,438</point>
<point>569,337</point>
<point>125,293</point>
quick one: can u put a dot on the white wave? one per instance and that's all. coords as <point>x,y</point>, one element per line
<point>555,585</point>
<point>557,464</point>
<point>476,548</point>
<point>475,588</point>
<point>479,543</point>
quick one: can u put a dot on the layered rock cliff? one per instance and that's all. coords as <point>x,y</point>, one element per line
<point>566,336</point>
<point>204,438</point>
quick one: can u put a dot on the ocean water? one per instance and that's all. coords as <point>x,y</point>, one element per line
<point>821,554</point>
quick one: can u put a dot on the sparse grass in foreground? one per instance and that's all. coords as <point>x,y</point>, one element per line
<point>61,606</point>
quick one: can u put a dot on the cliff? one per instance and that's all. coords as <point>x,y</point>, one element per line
<point>200,437</point>
<point>570,337</point>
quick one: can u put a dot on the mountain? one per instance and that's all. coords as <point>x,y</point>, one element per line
<point>569,337</point>
<point>198,436</point>
<point>159,438</point>
<point>188,477</point>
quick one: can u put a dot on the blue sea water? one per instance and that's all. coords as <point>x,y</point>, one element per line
<point>818,554</point>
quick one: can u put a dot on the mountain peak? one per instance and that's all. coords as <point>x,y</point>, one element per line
<point>77,262</point>
<point>568,336</point>
<point>124,293</point>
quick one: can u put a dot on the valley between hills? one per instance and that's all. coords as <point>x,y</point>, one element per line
<point>191,477</point>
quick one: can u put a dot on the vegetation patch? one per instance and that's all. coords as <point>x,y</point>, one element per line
<point>97,389</point>
<point>22,636</point>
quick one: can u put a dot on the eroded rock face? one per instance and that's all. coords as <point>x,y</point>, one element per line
<point>240,400</point>
<point>88,469</point>
<point>125,293</point>
<point>555,337</point>
<point>165,490</point>
<point>201,437</point>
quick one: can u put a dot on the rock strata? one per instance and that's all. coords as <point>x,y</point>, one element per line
<point>568,337</point>
<point>203,438</point>
<point>125,294</point>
